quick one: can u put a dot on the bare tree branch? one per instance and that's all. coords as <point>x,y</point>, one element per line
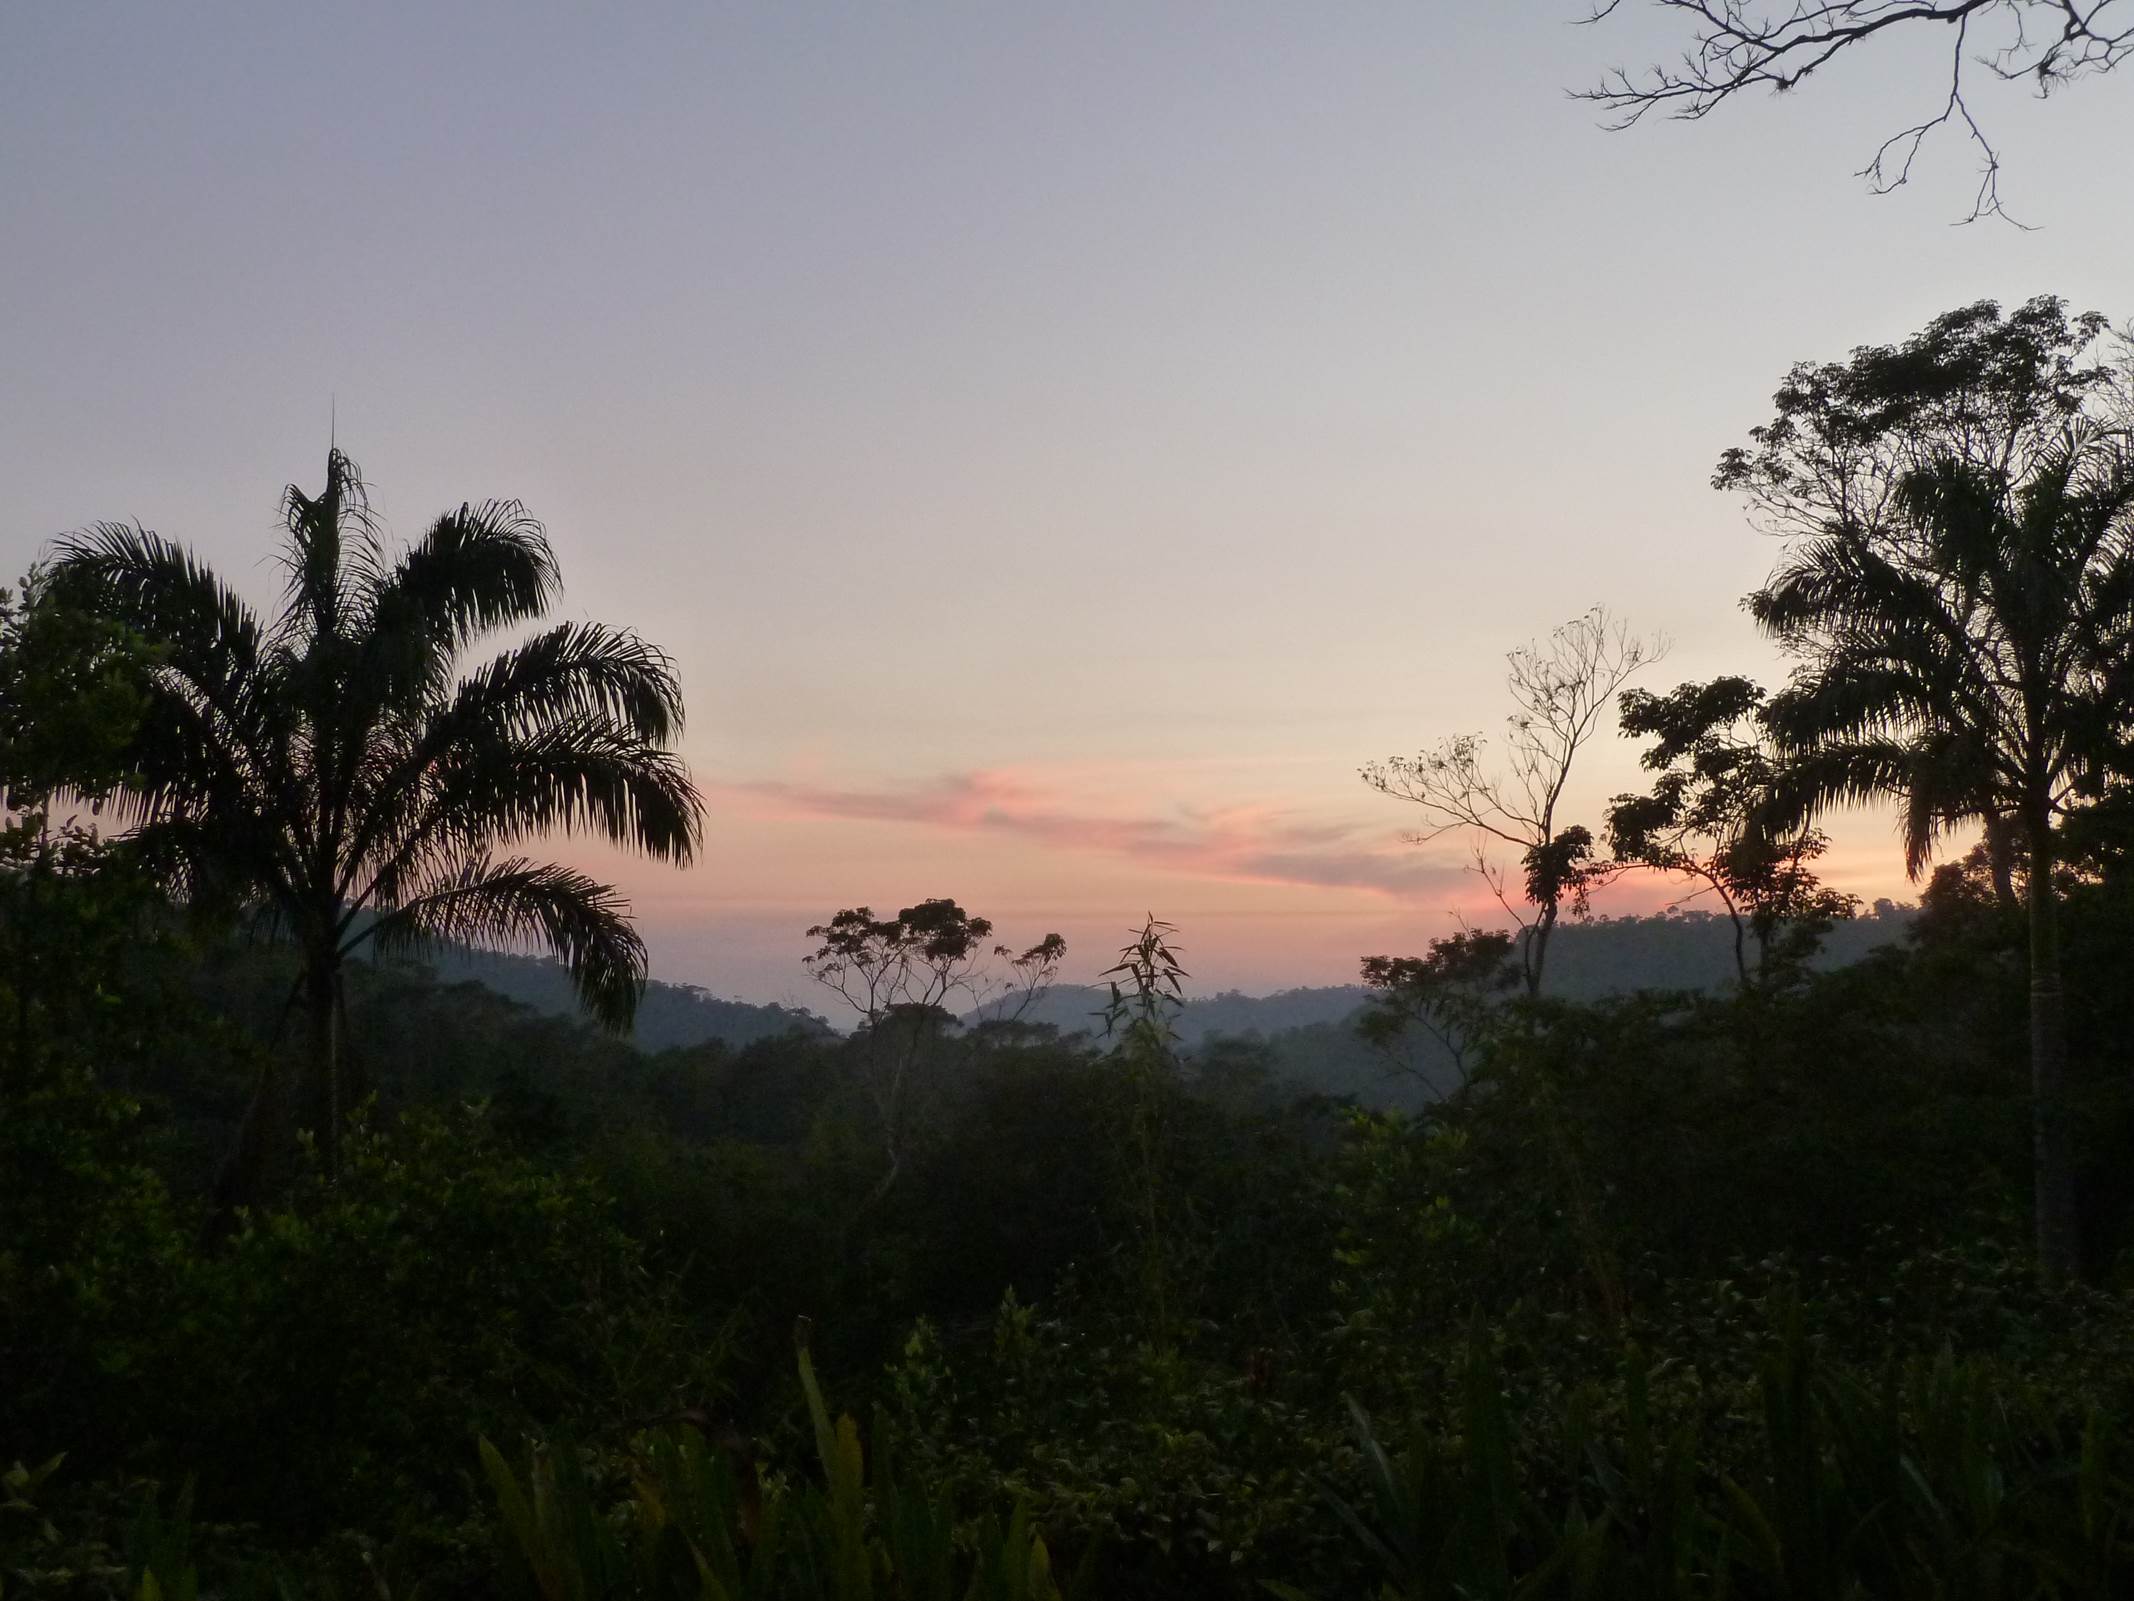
<point>1561,689</point>
<point>1737,45</point>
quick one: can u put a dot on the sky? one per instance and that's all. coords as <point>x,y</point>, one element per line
<point>1057,444</point>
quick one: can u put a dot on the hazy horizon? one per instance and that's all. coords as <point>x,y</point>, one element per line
<point>1058,449</point>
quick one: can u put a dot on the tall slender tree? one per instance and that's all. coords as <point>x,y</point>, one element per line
<point>334,769</point>
<point>1995,390</point>
<point>1978,659</point>
<point>1562,690</point>
<point>1954,592</point>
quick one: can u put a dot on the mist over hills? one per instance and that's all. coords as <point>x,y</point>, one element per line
<point>1079,1009</point>
<point>1302,1038</point>
<point>1587,960</point>
<point>1305,1039</point>
<point>668,1015</point>
<point>1293,1040</point>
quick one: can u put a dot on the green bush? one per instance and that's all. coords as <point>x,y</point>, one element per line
<point>93,1261</point>
<point>443,1286</point>
<point>1198,1474</point>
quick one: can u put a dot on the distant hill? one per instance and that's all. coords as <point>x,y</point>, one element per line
<point>1687,950</point>
<point>669,1014</point>
<point>1307,1036</point>
<point>1079,1008</point>
<point>1305,1030</point>
<point>1587,960</point>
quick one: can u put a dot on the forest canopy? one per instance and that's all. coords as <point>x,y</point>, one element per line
<point>373,1222</point>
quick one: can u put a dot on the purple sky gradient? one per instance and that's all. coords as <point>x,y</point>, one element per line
<point>1059,444</point>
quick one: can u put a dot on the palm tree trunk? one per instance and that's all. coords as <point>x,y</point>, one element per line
<point>2053,1156</point>
<point>355,1083</point>
<point>242,1181</point>
<point>321,983</point>
<point>2000,854</point>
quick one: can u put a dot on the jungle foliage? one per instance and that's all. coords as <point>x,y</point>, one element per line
<point>1734,1286</point>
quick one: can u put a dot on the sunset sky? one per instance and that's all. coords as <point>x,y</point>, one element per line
<point>1058,444</point>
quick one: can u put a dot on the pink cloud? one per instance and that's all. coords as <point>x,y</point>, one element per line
<point>1249,844</point>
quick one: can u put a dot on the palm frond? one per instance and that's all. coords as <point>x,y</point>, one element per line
<point>1806,786</point>
<point>481,567</point>
<point>1973,541</point>
<point>218,730</point>
<point>581,776</point>
<point>163,592</point>
<point>333,539</point>
<point>574,671</point>
<point>518,903</point>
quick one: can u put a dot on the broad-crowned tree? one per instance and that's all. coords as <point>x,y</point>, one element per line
<point>902,975</point>
<point>1709,818</point>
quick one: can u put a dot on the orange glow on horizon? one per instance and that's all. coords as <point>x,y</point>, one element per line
<point>1267,896</point>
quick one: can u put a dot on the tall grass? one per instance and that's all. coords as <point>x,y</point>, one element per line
<point>1938,1480</point>
<point>699,1525</point>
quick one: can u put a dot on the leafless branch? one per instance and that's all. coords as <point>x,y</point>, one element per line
<point>1738,45</point>
<point>1561,688</point>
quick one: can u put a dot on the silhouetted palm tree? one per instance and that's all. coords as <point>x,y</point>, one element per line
<point>337,770</point>
<point>1973,659</point>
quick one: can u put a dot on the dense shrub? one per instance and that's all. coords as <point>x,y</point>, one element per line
<point>442,1287</point>
<point>94,1259</point>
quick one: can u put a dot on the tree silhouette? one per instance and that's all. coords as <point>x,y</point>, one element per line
<point>334,769</point>
<point>900,974</point>
<point>1562,688</point>
<point>1708,818</point>
<point>1982,647</point>
<point>1957,589</point>
<point>1452,994</point>
<point>1995,391</point>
